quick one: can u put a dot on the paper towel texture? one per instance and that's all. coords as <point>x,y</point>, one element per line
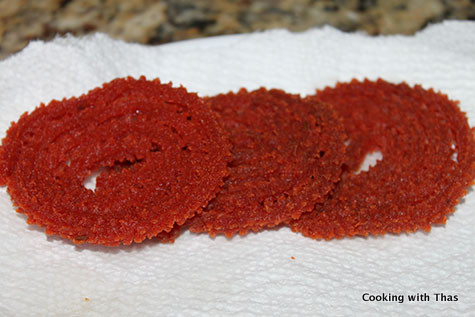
<point>255,274</point>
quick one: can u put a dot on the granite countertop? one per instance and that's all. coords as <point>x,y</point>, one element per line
<point>154,22</point>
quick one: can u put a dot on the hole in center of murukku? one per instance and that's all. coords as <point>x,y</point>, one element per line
<point>370,160</point>
<point>454,156</point>
<point>90,181</point>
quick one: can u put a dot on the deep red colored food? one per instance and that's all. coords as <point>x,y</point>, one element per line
<point>428,161</point>
<point>170,236</point>
<point>162,153</point>
<point>287,155</point>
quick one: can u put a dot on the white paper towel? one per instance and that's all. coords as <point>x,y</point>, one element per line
<point>255,274</point>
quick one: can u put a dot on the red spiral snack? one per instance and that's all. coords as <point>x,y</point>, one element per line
<point>428,161</point>
<point>287,155</point>
<point>162,153</point>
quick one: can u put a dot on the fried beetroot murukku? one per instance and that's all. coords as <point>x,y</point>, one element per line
<point>162,153</point>
<point>287,155</point>
<point>428,161</point>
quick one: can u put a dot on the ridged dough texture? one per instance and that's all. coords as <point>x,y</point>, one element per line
<point>238,162</point>
<point>428,161</point>
<point>160,152</point>
<point>287,155</point>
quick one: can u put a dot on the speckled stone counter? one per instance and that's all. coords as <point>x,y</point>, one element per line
<point>154,22</point>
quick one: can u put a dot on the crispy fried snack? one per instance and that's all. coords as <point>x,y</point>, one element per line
<point>287,155</point>
<point>428,161</point>
<point>161,151</point>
